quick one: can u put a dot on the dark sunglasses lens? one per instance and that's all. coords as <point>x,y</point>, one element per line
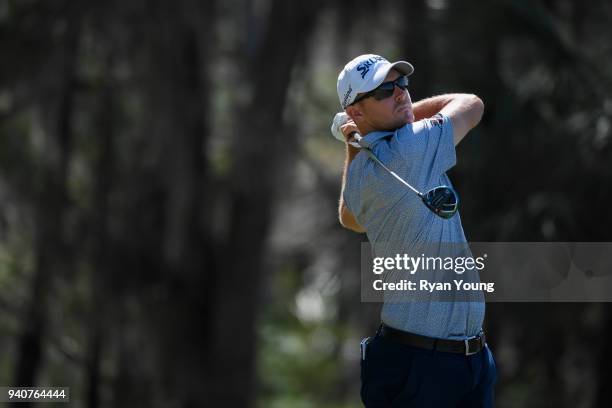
<point>386,86</point>
<point>382,93</point>
<point>386,89</point>
<point>402,82</point>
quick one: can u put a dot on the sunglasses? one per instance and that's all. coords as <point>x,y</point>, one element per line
<point>385,90</point>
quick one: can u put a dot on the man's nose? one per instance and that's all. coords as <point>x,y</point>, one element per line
<point>399,94</point>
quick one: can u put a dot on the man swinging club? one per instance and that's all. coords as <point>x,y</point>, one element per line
<point>395,189</point>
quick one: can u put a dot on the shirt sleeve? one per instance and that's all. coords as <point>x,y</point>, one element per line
<point>430,149</point>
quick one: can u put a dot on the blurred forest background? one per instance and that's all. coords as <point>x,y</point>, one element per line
<point>169,186</point>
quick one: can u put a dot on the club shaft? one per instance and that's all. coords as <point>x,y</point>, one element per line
<point>401,180</point>
<point>357,137</point>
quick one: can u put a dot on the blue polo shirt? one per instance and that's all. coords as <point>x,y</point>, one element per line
<point>396,220</point>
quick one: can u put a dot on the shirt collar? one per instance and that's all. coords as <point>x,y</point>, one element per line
<point>371,138</point>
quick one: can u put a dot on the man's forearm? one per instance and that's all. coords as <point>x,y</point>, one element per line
<point>351,152</point>
<point>346,218</point>
<point>428,107</point>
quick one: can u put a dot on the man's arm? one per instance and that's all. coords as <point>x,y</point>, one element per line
<point>464,111</point>
<point>346,217</point>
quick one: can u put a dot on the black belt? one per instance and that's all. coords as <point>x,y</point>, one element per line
<point>467,346</point>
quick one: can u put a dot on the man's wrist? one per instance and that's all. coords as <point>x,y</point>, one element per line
<point>351,152</point>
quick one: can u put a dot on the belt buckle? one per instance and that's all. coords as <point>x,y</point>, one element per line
<point>363,347</point>
<point>467,347</point>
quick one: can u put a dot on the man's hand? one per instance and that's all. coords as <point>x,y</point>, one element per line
<point>348,129</point>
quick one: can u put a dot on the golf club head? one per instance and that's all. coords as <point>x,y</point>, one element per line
<point>442,200</point>
<point>340,119</point>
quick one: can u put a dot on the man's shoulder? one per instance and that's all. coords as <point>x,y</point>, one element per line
<point>419,126</point>
<point>424,127</point>
<point>437,120</point>
<point>411,131</point>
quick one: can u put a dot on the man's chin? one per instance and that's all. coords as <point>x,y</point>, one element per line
<point>406,116</point>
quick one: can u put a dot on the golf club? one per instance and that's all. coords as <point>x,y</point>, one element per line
<point>442,200</point>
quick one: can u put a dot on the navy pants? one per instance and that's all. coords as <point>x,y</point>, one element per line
<point>397,375</point>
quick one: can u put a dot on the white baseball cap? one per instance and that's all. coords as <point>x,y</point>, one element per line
<point>365,73</point>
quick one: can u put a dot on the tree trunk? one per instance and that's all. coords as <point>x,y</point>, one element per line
<point>260,160</point>
<point>603,394</point>
<point>103,297</point>
<point>180,36</point>
<point>417,48</point>
<point>50,248</point>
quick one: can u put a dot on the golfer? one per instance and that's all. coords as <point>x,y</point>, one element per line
<point>426,353</point>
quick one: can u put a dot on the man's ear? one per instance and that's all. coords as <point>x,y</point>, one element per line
<point>354,112</point>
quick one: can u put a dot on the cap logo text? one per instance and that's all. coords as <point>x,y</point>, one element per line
<point>364,67</point>
<point>347,95</point>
